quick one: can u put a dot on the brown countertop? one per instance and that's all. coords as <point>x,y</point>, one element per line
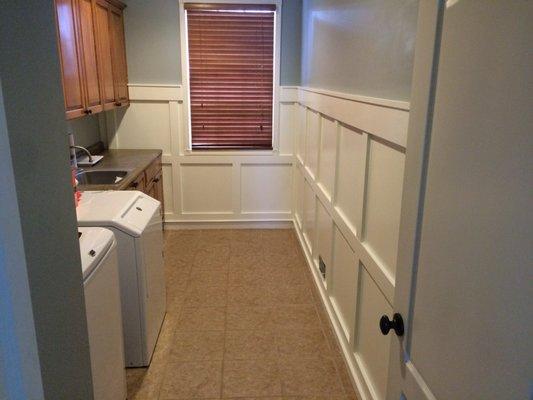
<point>133,161</point>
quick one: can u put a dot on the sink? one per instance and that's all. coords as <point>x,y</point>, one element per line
<point>100,177</point>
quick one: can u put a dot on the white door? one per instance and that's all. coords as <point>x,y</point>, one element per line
<point>465,263</point>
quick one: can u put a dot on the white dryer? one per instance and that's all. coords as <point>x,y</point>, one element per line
<point>136,221</point>
<point>104,319</point>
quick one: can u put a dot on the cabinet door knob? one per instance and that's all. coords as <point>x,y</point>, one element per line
<point>118,103</point>
<point>385,324</point>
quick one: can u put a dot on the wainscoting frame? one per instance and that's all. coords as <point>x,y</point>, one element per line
<point>156,119</point>
<point>336,177</point>
<point>337,215</point>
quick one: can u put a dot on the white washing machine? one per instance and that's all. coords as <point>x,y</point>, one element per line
<point>104,318</point>
<point>136,222</point>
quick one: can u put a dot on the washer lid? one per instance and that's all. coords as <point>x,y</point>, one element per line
<point>129,211</point>
<point>94,245</point>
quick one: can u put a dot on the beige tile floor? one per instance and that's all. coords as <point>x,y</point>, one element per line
<point>244,321</point>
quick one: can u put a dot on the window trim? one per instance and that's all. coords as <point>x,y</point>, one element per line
<point>187,147</point>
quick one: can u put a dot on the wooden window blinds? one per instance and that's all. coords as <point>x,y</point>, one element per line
<point>231,60</point>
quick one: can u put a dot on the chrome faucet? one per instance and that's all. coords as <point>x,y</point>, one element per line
<point>85,150</point>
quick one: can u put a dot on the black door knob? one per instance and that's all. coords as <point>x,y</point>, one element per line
<point>385,324</point>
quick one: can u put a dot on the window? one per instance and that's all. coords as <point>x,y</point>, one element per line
<point>231,63</point>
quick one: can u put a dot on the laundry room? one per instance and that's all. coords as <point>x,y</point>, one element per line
<point>265,199</point>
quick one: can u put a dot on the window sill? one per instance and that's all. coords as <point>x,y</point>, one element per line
<point>231,152</point>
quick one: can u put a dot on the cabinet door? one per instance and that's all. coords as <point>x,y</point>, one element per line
<point>70,57</point>
<point>118,46</point>
<point>151,191</point>
<point>93,99</point>
<point>103,39</point>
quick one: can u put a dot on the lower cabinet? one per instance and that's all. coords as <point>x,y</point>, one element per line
<point>150,181</point>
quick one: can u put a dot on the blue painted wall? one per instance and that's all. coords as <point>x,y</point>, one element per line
<point>153,42</point>
<point>363,47</point>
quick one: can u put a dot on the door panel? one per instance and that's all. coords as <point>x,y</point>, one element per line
<point>70,58</point>
<point>104,54</point>
<point>469,330</point>
<point>87,39</point>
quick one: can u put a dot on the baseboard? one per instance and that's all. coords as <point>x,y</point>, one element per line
<point>358,382</point>
<point>178,225</point>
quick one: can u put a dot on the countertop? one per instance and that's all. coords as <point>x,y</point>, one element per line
<point>133,161</point>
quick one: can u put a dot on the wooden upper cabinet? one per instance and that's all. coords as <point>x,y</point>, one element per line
<point>118,45</point>
<point>104,53</point>
<point>93,98</point>
<point>71,69</point>
<point>93,56</point>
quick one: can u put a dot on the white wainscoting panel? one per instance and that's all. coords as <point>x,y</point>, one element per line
<point>351,177</point>
<point>144,124</point>
<point>266,188</point>
<point>301,132</point>
<point>312,142</point>
<point>343,283</point>
<point>151,92</point>
<point>324,238</point>
<point>350,152</point>
<point>328,154</point>
<point>309,212</point>
<point>287,127</point>
<point>206,188</point>
<point>367,115</point>
<point>299,197</point>
<point>168,195</point>
<point>383,202</point>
